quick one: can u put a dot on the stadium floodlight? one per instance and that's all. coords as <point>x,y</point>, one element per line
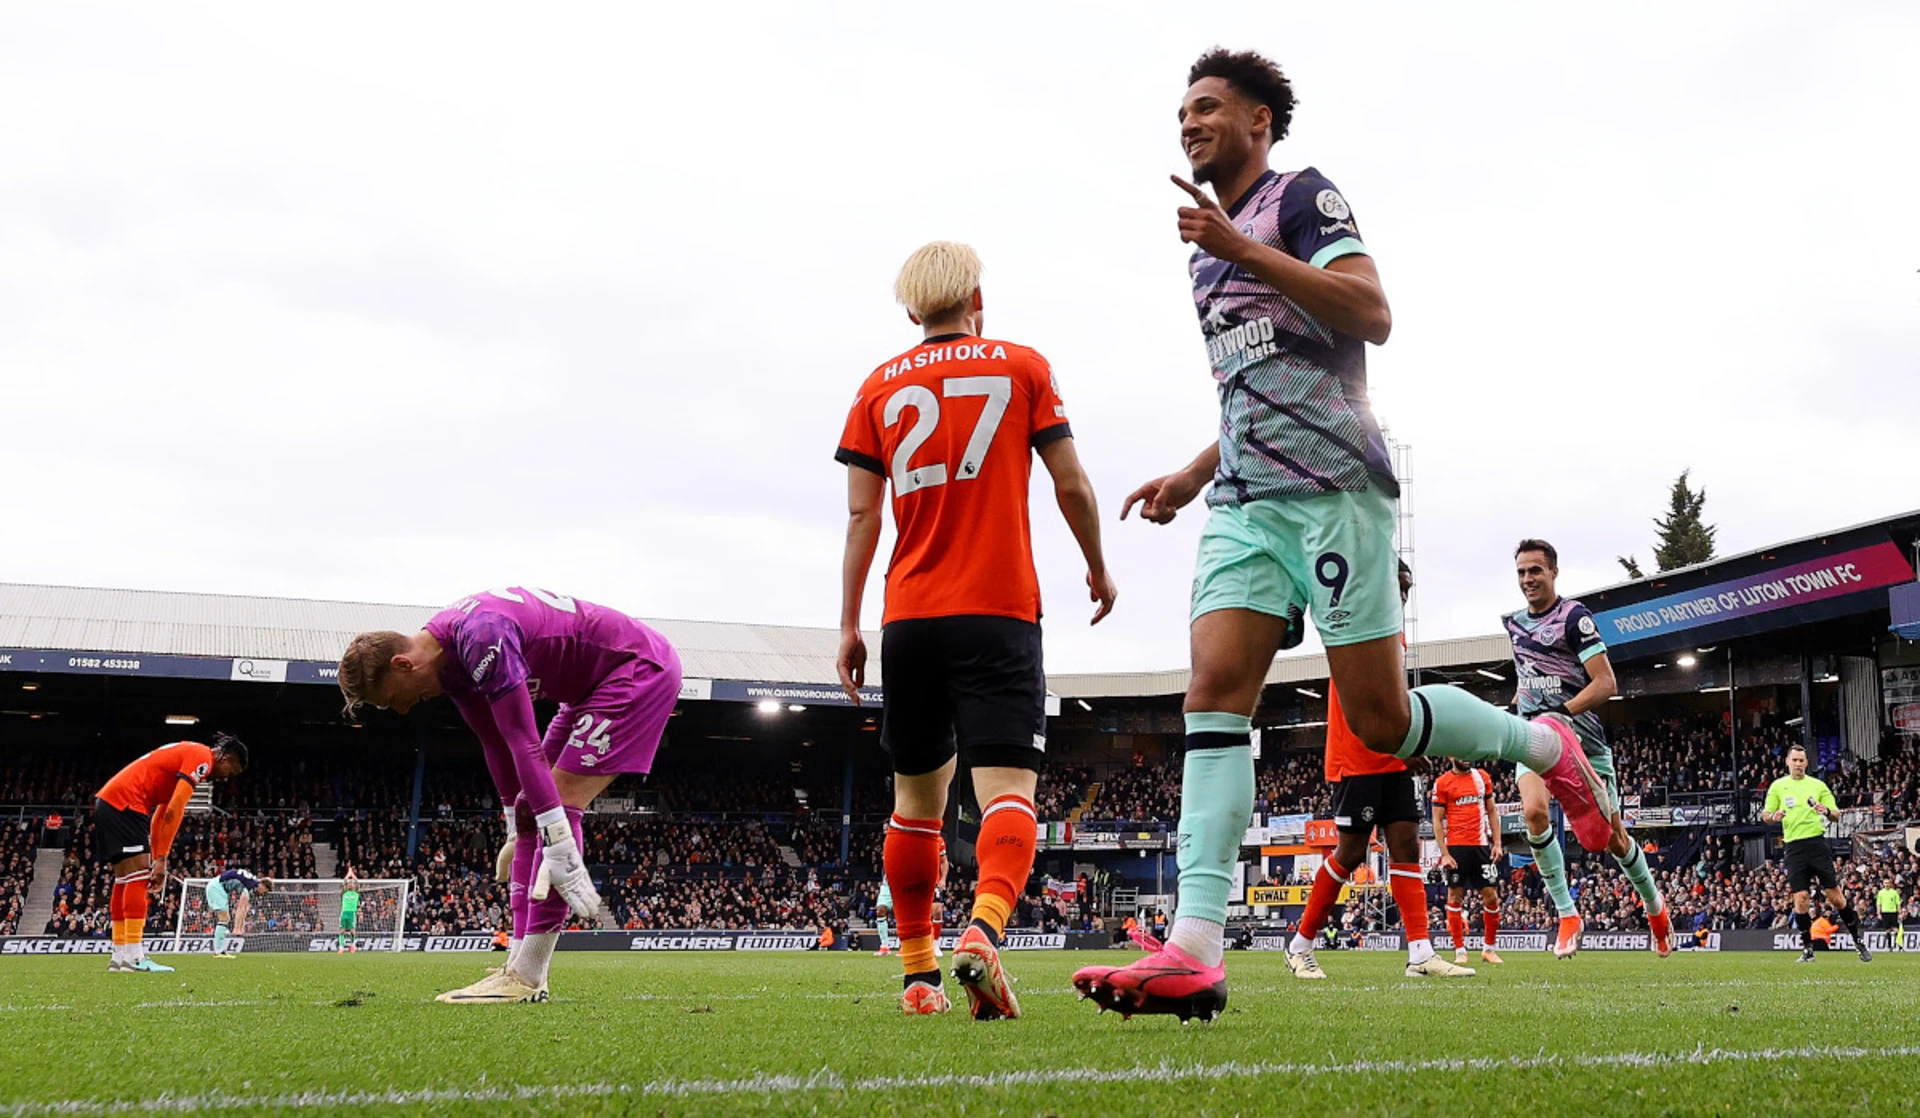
<point>29,687</point>
<point>1085,705</point>
<point>769,706</point>
<point>183,720</point>
<point>1309,692</point>
<point>796,707</point>
<point>1686,660</point>
<point>1495,676</point>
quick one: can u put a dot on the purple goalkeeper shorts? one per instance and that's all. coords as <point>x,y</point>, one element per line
<point>617,729</point>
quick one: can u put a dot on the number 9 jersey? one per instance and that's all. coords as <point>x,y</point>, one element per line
<point>953,423</point>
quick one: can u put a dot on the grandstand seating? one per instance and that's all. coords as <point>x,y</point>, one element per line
<point>713,851</point>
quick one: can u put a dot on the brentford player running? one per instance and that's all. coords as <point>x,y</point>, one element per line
<point>953,423</point>
<point>135,816</point>
<point>1562,672</point>
<point>1302,516</point>
<point>1371,791</point>
<point>1465,824</point>
<point>228,897</point>
<point>493,654</point>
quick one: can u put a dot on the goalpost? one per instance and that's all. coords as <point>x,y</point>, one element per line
<point>298,914</point>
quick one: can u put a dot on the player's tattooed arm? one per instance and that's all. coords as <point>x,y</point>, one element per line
<point>1074,492</point>
<point>1346,295</point>
<point>866,492</point>
<point>1161,499</point>
<point>1600,687</point>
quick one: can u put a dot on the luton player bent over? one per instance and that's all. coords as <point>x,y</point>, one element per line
<point>1302,517</point>
<point>953,424</point>
<point>135,816</point>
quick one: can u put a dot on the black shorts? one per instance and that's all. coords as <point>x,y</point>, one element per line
<point>1810,861</point>
<point>1890,921</point>
<point>973,684</point>
<point>1474,868</point>
<point>119,834</point>
<point>1369,800</point>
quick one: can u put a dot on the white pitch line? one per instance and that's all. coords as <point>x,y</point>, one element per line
<point>826,1079</point>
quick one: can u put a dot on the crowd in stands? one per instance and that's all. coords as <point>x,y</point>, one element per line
<point>1061,789</point>
<point>17,843</point>
<point>1717,891</point>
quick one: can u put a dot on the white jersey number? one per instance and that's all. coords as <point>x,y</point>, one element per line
<point>926,407</point>
<point>558,601</point>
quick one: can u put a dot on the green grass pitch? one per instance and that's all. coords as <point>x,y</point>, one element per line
<point>811,1034</point>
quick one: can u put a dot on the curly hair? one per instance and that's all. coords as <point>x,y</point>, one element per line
<point>1255,75</point>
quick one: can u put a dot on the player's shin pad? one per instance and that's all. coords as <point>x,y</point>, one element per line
<point>1634,865</point>
<point>1552,864</point>
<point>1448,722</point>
<point>1216,800</point>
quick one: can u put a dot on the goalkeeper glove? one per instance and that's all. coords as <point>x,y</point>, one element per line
<point>562,868</point>
<point>503,861</point>
<point>1559,708</point>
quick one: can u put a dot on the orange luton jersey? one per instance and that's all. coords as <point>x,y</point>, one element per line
<point>162,778</point>
<point>952,424</point>
<point>1347,755</point>
<point>147,784</point>
<point>1467,798</point>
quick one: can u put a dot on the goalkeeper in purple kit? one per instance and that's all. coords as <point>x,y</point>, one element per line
<point>493,654</point>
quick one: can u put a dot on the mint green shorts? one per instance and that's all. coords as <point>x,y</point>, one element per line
<point>1328,556</point>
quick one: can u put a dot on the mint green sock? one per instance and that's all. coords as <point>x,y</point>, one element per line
<point>1448,722</point>
<point>1216,804</point>
<point>880,926</point>
<point>1634,865</point>
<point>220,935</point>
<point>1553,870</point>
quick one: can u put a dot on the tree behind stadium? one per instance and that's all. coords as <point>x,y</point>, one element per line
<point>1682,538</point>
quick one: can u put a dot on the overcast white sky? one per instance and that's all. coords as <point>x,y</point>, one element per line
<point>390,302</point>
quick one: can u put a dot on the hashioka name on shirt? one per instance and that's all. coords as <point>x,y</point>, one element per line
<point>934,355</point>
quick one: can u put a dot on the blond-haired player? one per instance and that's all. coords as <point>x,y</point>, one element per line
<point>953,423</point>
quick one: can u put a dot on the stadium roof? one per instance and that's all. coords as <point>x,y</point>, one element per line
<point>158,623</point>
<point>229,626</point>
<point>1441,655</point>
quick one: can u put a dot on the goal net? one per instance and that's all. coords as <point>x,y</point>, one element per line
<point>296,914</point>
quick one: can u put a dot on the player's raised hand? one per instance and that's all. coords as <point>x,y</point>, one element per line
<point>852,663</point>
<point>1161,499</point>
<point>1101,589</point>
<point>1207,226</point>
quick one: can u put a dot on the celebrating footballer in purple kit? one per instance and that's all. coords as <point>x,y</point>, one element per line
<point>493,654</point>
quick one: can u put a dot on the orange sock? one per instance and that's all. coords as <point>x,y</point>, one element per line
<point>137,909</point>
<point>1322,897</point>
<point>912,859</point>
<point>1490,921</point>
<point>1457,926</point>
<point>1005,853</point>
<point>117,912</point>
<point>1409,896</point>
